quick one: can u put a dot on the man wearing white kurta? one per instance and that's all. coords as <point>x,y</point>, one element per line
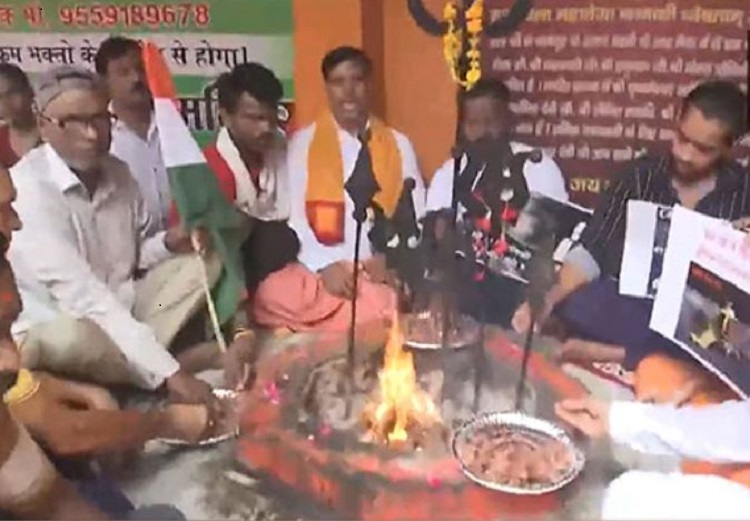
<point>135,138</point>
<point>316,292</point>
<point>103,296</point>
<point>716,433</point>
<point>484,113</point>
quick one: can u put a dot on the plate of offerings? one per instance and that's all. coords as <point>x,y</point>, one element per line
<point>517,454</point>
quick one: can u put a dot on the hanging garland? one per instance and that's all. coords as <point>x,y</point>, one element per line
<point>452,42</point>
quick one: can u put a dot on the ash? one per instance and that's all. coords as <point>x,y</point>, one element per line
<point>324,395</point>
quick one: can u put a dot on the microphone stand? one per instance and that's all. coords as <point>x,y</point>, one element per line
<point>361,187</point>
<point>353,320</point>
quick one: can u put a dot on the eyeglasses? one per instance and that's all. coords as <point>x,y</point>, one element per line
<point>81,124</point>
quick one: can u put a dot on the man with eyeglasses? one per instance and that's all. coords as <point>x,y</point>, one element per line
<point>104,296</point>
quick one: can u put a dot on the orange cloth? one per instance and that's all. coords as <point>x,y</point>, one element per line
<point>660,379</point>
<point>324,201</point>
<point>294,298</point>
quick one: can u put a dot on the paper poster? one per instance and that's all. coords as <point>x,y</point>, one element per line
<point>646,234</point>
<point>703,301</point>
<point>541,215</point>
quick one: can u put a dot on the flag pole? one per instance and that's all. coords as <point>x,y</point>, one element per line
<point>215,324</point>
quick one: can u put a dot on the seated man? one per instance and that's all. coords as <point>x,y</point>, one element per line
<point>698,174</point>
<point>249,160</point>
<point>73,420</point>
<point>135,137</point>
<point>103,299</point>
<point>20,133</point>
<point>316,293</point>
<point>608,327</point>
<point>715,433</point>
<point>484,113</point>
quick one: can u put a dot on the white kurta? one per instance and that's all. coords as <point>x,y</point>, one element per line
<point>717,433</point>
<point>146,165</point>
<point>76,254</point>
<point>544,178</point>
<point>313,254</point>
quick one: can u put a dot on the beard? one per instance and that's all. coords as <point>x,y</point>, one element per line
<point>688,173</point>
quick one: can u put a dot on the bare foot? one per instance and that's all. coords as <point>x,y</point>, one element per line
<point>578,350</point>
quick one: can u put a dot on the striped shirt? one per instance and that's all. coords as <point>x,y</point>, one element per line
<point>648,179</point>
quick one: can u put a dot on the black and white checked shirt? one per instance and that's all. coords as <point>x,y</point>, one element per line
<point>648,179</point>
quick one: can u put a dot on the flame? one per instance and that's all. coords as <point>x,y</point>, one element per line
<point>402,402</point>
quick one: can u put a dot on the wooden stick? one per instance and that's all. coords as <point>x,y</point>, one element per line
<point>207,291</point>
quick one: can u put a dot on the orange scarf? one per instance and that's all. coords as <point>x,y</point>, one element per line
<point>324,201</point>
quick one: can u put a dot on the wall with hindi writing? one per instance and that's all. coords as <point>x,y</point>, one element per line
<point>419,93</point>
<point>200,40</point>
<point>596,83</point>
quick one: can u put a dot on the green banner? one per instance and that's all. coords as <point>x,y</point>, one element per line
<point>200,40</point>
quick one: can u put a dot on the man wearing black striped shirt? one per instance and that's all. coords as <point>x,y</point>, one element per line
<point>699,174</point>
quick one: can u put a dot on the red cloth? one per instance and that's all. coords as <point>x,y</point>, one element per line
<point>8,157</point>
<point>294,298</point>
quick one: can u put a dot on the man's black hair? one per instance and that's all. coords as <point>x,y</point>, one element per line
<point>487,88</point>
<point>339,55</point>
<point>252,78</point>
<point>723,101</point>
<point>17,78</point>
<point>113,48</point>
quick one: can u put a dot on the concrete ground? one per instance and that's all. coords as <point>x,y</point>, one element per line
<point>207,484</point>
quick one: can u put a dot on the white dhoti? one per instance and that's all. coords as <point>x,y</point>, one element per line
<point>167,297</point>
<point>643,495</point>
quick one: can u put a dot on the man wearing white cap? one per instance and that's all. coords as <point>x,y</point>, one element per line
<point>103,295</point>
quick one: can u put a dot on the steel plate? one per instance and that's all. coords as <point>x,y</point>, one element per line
<point>222,394</point>
<point>468,333</point>
<point>529,426</point>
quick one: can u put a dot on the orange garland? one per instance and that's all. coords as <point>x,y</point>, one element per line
<point>452,42</point>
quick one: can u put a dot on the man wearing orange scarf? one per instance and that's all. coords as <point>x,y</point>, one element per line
<point>316,292</point>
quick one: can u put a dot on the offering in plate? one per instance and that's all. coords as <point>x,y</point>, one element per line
<point>509,457</point>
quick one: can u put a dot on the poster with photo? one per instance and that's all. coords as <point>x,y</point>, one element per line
<point>540,216</point>
<point>705,306</point>
<point>646,234</point>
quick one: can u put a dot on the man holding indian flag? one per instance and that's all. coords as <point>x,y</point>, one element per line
<point>104,296</point>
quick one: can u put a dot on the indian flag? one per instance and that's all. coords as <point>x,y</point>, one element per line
<point>194,187</point>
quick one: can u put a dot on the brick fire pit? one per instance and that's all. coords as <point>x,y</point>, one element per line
<point>366,481</point>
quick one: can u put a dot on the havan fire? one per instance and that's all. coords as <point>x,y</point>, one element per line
<point>395,401</point>
<point>400,409</point>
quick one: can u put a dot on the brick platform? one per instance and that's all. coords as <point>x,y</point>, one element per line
<point>371,483</point>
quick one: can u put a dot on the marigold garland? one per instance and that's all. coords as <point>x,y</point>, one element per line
<point>452,42</point>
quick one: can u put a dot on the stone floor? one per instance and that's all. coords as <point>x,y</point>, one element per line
<point>207,484</point>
